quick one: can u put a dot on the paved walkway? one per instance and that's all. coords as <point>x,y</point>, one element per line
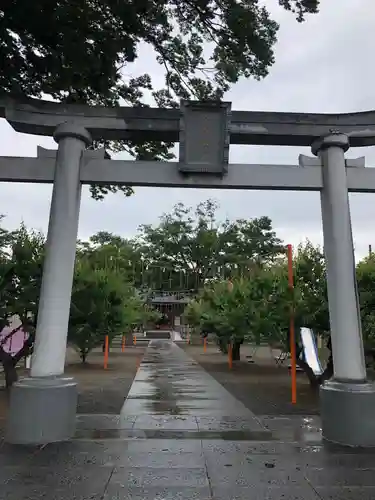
<point>182,436</point>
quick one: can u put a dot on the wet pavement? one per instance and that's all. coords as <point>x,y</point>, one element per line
<point>181,435</point>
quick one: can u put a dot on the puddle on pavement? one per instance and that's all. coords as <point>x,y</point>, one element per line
<point>170,434</point>
<point>306,435</point>
<point>305,429</point>
<point>300,435</point>
<point>181,397</point>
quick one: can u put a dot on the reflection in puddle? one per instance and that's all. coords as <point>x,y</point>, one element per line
<point>95,434</point>
<point>295,428</point>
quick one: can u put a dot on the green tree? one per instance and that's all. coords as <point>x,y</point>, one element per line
<point>258,308</point>
<point>97,307</point>
<point>366,289</point>
<point>21,261</point>
<point>106,250</point>
<point>310,277</point>
<point>7,284</point>
<point>309,301</point>
<point>85,55</point>
<point>138,314</point>
<point>191,247</point>
<point>253,309</point>
<point>310,305</point>
<point>104,298</point>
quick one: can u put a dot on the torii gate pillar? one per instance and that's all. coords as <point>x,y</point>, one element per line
<point>43,406</point>
<point>348,399</point>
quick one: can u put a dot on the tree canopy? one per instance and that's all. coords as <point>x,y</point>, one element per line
<point>88,44</point>
<point>366,282</point>
<point>191,246</point>
<point>257,307</point>
<point>81,51</point>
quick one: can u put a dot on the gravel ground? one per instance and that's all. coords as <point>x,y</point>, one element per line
<point>262,386</point>
<point>99,390</point>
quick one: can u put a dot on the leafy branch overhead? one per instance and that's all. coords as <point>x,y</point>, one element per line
<point>85,55</point>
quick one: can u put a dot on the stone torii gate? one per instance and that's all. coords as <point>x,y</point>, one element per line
<point>43,406</point>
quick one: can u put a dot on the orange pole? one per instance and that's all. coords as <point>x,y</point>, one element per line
<point>123,344</point>
<point>205,344</point>
<point>106,352</point>
<point>134,340</point>
<point>230,353</point>
<point>292,336</point>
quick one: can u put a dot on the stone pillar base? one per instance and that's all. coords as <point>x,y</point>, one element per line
<point>42,410</point>
<point>347,412</point>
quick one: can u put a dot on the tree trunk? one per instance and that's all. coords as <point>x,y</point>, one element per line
<point>83,356</point>
<point>129,338</point>
<point>236,351</point>
<point>313,379</point>
<point>370,357</point>
<point>328,372</point>
<point>223,346</point>
<point>10,362</point>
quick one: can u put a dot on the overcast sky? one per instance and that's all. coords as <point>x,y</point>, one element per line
<point>322,65</point>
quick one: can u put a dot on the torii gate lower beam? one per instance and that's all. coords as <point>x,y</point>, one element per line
<point>307,176</point>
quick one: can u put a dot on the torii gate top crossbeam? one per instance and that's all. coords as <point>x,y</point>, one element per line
<point>96,170</point>
<point>140,124</point>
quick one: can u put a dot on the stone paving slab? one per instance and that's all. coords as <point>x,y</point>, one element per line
<point>165,446</point>
<point>265,493</point>
<point>98,421</point>
<point>166,422</point>
<point>35,481</point>
<point>155,493</point>
<point>77,454</point>
<point>340,476</point>
<point>225,423</point>
<point>169,382</point>
<point>346,493</point>
<point>182,445</point>
<point>252,476</point>
<point>294,428</point>
<point>25,492</point>
<point>159,477</point>
<point>163,460</point>
<point>224,447</point>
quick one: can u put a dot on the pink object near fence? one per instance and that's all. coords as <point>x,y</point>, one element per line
<point>14,343</point>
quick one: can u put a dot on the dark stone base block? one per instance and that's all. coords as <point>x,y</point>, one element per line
<point>42,410</point>
<point>348,413</point>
